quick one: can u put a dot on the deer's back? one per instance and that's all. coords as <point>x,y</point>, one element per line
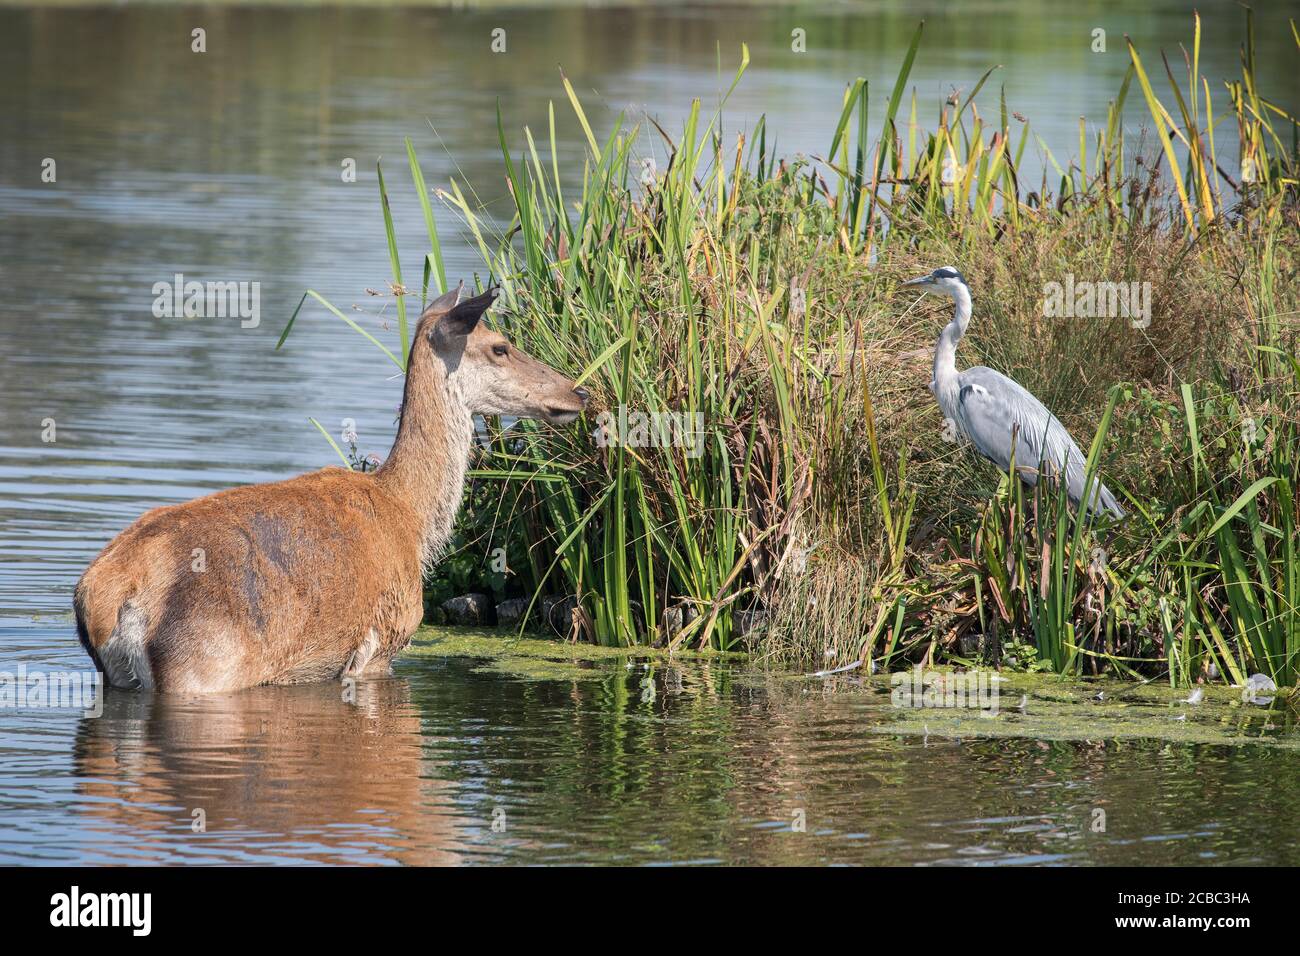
<point>274,583</point>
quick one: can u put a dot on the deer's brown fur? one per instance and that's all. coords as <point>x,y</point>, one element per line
<point>319,576</point>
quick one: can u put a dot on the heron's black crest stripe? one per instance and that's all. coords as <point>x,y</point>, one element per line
<point>946,273</point>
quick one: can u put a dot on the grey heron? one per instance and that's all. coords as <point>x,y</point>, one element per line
<point>996,413</point>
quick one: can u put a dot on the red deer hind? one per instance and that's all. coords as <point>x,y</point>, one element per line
<point>318,577</point>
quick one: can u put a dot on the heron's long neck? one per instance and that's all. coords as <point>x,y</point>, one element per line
<point>945,385</point>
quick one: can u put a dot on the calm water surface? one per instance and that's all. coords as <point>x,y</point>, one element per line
<point>226,166</point>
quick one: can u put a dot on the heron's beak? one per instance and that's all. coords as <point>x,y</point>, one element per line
<point>922,280</point>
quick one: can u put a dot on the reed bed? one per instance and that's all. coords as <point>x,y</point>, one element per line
<point>790,488</point>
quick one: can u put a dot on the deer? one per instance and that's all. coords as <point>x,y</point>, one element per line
<point>319,577</point>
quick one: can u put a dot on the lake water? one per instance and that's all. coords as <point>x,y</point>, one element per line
<point>225,166</point>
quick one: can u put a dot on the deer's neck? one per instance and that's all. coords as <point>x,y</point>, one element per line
<point>427,465</point>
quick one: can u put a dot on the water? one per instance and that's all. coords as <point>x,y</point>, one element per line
<point>226,166</point>
<point>717,767</point>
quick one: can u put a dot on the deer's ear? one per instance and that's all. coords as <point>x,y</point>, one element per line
<point>461,318</point>
<point>446,301</point>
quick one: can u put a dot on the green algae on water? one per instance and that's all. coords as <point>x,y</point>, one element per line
<point>537,658</point>
<point>1046,707</point>
<point>1034,706</point>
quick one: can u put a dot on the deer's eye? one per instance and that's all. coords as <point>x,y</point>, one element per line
<point>500,349</point>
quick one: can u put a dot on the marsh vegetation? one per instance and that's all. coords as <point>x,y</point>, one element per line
<point>824,513</point>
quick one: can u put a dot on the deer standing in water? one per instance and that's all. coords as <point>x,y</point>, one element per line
<point>321,576</point>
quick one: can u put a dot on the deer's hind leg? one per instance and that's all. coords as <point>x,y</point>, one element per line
<point>364,655</point>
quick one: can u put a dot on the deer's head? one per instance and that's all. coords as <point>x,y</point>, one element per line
<point>491,375</point>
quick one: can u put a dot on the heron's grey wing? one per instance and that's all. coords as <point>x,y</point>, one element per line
<point>994,407</point>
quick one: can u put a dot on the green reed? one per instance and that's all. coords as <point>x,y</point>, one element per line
<point>810,511</point>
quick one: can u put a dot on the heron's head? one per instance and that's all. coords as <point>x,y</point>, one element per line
<point>945,279</point>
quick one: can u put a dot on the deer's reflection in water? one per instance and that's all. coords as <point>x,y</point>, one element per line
<point>307,773</point>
